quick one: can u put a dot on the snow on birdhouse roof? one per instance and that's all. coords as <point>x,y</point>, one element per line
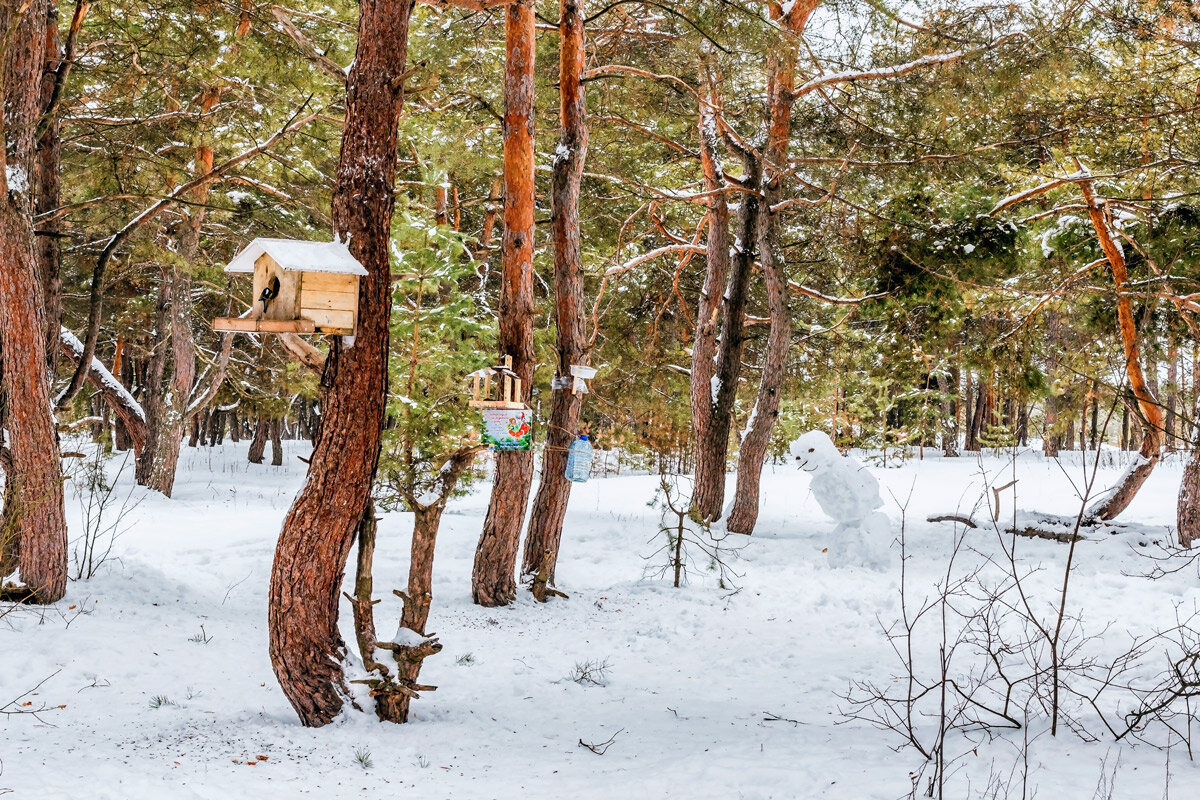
<point>293,254</point>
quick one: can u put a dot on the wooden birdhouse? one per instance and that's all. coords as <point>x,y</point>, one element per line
<point>299,287</point>
<point>506,387</point>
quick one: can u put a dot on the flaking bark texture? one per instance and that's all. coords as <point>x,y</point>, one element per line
<point>713,446</point>
<point>493,578</point>
<point>550,503</point>
<point>753,449</point>
<point>716,273</point>
<point>33,511</point>
<point>310,559</point>
<point>48,186</point>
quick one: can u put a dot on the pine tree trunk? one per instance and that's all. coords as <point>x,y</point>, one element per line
<point>154,397</point>
<point>1188,508</point>
<point>716,275</point>
<point>977,416</point>
<point>277,442</point>
<point>493,579</point>
<point>1151,414</point>
<point>753,449</point>
<point>708,496</point>
<point>310,559</point>
<point>550,503</point>
<point>34,512</point>
<point>1171,424</point>
<point>164,457</point>
<point>258,445</point>
<point>48,185</point>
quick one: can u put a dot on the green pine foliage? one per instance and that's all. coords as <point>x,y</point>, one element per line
<point>440,332</point>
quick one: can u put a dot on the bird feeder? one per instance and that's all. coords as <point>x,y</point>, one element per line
<point>299,287</point>
<point>507,387</point>
<point>580,376</point>
<point>507,421</point>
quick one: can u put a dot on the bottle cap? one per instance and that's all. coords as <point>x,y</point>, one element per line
<point>583,436</point>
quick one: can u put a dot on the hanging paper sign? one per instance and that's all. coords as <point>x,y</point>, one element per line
<point>508,428</point>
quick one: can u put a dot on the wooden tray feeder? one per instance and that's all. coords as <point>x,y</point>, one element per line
<point>299,287</point>
<point>507,382</point>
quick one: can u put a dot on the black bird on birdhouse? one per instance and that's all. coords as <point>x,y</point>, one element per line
<point>269,293</point>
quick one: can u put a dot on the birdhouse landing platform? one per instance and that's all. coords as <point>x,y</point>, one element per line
<point>299,287</point>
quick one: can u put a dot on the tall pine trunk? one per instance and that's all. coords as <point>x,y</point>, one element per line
<point>310,559</point>
<point>712,449</point>
<point>781,94</point>
<point>716,273</point>
<point>493,579</point>
<point>33,513</point>
<point>550,503</point>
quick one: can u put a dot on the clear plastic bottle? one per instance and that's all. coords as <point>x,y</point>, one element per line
<point>579,460</point>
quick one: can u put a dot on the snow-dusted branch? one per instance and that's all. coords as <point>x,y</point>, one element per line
<point>898,70</point>
<point>621,269</point>
<point>307,48</point>
<point>804,291</point>
<point>1055,292</point>
<point>114,393</point>
<point>117,239</point>
<point>625,69</point>
<point>1029,194</point>
<point>464,5</point>
<point>775,209</point>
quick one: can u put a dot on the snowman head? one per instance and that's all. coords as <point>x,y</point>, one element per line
<point>814,451</point>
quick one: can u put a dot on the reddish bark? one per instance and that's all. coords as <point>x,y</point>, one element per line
<point>716,273</point>
<point>310,559</point>
<point>493,582</point>
<point>33,511</point>
<point>713,444</point>
<point>1151,418</point>
<point>47,189</point>
<point>753,449</point>
<point>550,504</point>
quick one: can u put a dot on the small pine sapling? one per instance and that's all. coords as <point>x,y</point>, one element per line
<point>687,539</point>
<point>439,334</point>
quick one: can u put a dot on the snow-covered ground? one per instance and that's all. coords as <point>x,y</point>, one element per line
<point>160,666</point>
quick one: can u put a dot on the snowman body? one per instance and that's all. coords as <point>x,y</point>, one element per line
<point>849,495</point>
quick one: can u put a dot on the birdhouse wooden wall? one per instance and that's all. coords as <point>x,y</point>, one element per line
<point>327,299</point>
<point>330,300</point>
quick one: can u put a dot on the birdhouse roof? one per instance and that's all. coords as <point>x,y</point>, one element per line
<point>293,254</point>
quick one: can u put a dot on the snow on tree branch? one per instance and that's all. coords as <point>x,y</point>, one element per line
<point>883,73</point>
<point>621,269</point>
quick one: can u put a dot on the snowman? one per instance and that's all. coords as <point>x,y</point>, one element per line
<point>850,495</point>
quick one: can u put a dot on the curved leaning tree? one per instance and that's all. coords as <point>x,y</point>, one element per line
<point>310,559</point>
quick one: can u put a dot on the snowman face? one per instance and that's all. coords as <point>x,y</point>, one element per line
<point>813,451</point>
